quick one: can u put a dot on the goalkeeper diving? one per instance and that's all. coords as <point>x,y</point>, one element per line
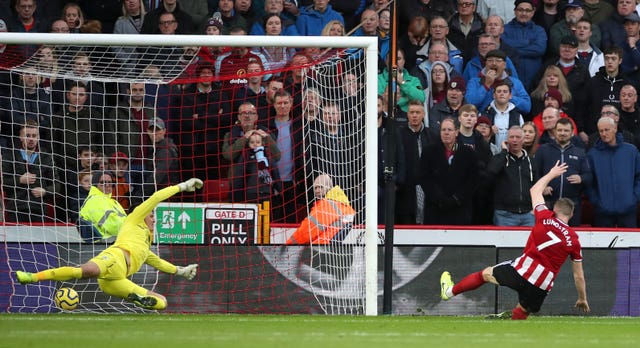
<point>125,257</point>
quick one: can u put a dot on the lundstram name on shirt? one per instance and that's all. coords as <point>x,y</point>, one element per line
<point>557,225</point>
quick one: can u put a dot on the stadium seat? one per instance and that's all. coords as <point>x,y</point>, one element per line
<point>216,190</point>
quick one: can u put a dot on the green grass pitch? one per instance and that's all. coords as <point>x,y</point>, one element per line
<point>283,331</point>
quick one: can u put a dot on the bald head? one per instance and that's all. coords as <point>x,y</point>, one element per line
<point>321,185</point>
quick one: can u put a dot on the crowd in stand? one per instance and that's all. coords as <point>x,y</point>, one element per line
<point>489,94</point>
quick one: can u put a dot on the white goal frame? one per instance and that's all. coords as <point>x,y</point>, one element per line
<point>370,46</point>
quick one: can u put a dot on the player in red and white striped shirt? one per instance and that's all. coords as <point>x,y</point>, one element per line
<point>532,274</point>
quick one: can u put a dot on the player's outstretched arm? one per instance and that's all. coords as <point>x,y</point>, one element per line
<point>190,185</point>
<point>581,287</point>
<point>188,272</point>
<point>538,188</point>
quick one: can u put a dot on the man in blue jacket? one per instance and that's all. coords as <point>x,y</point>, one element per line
<point>313,18</point>
<point>615,167</point>
<point>578,174</point>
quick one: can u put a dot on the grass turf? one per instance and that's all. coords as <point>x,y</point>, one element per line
<point>258,331</point>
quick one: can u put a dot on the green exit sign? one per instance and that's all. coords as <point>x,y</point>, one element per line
<point>178,223</point>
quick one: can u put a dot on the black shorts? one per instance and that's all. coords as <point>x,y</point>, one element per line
<point>530,296</point>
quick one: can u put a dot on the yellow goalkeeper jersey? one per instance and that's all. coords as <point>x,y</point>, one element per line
<point>136,238</point>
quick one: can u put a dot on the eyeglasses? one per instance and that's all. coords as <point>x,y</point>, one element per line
<point>466,4</point>
<point>494,60</point>
<point>441,53</point>
<point>608,113</point>
<point>167,22</point>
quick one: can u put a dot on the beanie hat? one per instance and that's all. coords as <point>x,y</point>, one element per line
<point>555,94</point>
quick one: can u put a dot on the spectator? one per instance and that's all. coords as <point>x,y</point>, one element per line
<point>437,83</point>
<point>313,18</point>
<point>570,184</point>
<point>60,26</point>
<point>486,43</point>
<point>449,176</point>
<point>604,87</point>
<point>549,117</point>
<point>79,125</point>
<point>162,162</point>
<point>197,10</point>
<point>415,137</point>
<point>547,14</point>
<point>494,26</point>
<point>244,9</point>
<point>333,28</point>
<point>511,171</point>
<point>588,55</point>
<point>255,178</point>
<point>277,7</point>
<point>230,17</point>
<point>29,101</point>
<point>465,27</point>
<point>416,37</point>
<point>119,166</point>
<point>574,11</point>
<point>101,216</point>
<point>286,129</point>
<point>613,34</point>
<point>598,11</point>
<point>330,219</point>
<point>28,178</point>
<point>130,22</point>
<point>236,139</point>
<point>213,26</point>
<point>631,60</point>
<point>552,80</point>
<point>483,125</point>
<point>449,106</point>
<point>277,57</point>
<point>76,201</point>
<point>480,89</point>
<point>502,113</point>
<point>612,112</point>
<point>531,141</point>
<point>369,21</point>
<point>470,137</point>
<point>437,53</point>
<point>49,71</point>
<point>199,130</point>
<point>615,168</point>
<point>439,29</point>
<point>106,11</point>
<point>408,87</point>
<point>500,8</point>
<point>552,98</point>
<point>182,21</point>
<point>529,39</point>
<point>427,9</point>
<point>254,91</point>
<point>73,15</point>
<point>25,20</point>
<point>81,73</point>
<point>389,139</point>
<point>230,65</point>
<point>629,112</point>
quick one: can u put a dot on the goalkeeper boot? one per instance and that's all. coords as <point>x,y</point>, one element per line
<point>445,284</point>
<point>500,316</point>
<point>26,277</point>
<point>146,302</point>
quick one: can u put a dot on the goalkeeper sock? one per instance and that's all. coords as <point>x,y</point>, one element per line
<point>519,314</point>
<point>470,282</point>
<point>62,273</point>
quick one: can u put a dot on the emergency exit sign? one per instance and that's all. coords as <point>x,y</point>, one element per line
<point>179,224</point>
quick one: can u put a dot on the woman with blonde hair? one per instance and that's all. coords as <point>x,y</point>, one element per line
<point>552,78</point>
<point>73,15</point>
<point>333,28</point>
<point>130,22</point>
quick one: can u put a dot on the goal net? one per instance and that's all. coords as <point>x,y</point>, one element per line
<point>128,115</point>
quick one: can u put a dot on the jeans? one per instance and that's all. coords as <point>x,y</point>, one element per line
<point>507,218</point>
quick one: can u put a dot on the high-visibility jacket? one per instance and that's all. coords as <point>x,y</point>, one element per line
<point>104,212</point>
<point>331,218</point>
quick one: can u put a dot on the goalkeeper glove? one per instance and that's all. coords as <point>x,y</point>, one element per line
<point>188,272</point>
<point>190,185</point>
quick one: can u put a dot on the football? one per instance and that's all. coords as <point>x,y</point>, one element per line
<point>67,299</point>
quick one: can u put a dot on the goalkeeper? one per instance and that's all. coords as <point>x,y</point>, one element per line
<point>125,257</point>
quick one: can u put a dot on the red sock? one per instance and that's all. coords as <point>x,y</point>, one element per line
<point>519,314</point>
<point>470,282</point>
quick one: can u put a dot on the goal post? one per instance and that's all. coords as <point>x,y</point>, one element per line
<point>369,83</point>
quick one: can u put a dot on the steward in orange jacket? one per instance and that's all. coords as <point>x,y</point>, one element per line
<point>330,219</point>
